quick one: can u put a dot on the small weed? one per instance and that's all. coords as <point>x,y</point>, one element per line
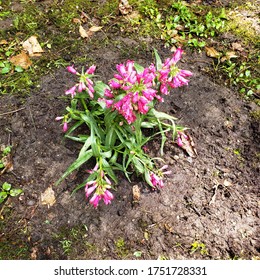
<point>163,258</point>
<point>121,247</point>
<point>66,246</point>
<point>71,239</point>
<point>137,254</point>
<point>199,246</point>
<point>7,190</point>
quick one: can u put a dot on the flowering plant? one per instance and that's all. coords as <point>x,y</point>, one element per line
<point>115,116</point>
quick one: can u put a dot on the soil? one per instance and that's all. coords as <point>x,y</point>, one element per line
<point>208,209</point>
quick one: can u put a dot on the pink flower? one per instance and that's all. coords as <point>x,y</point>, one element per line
<point>179,142</point>
<point>71,91</point>
<point>181,137</point>
<point>59,118</point>
<point>89,190</point>
<point>176,56</point>
<point>170,75</point>
<point>85,82</point>
<point>93,170</point>
<point>81,87</point>
<point>107,197</point>
<point>65,127</point>
<point>91,69</point>
<point>95,200</point>
<point>72,70</point>
<point>156,179</point>
<point>137,91</point>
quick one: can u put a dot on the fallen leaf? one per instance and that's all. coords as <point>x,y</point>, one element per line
<point>84,17</point>
<point>211,52</point>
<point>76,20</point>
<point>188,145</point>
<point>228,56</point>
<point>168,228</point>
<point>34,253</point>
<point>84,33</point>
<point>237,47</point>
<point>32,46</point>
<point>8,164</point>
<point>22,60</point>
<point>136,193</point>
<point>95,28</point>
<point>48,197</point>
<point>124,7</point>
<point>3,42</point>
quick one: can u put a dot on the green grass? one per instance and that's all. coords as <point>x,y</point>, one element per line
<point>176,23</point>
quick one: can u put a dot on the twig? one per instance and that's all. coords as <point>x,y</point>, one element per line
<point>11,112</point>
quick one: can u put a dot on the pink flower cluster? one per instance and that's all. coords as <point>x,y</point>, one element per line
<point>85,82</point>
<point>138,88</point>
<point>131,92</point>
<point>156,179</point>
<point>170,76</point>
<point>101,187</point>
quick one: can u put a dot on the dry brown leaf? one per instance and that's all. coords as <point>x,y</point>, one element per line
<point>211,52</point>
<point>48,197</point>
<point>22,60</point>
<point>3,42</point>
<point>32,46</point>
<point>188,145</point>
<point>83,32</point>
<point>95,28</point>
<point>136,193</point>
<point>237,47</point>
<point>34,253</point>
<point>124,7</point>
<point>76,20</point>
<point>228,56</point>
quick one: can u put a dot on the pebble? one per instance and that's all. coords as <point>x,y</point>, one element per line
<point>30,202</point>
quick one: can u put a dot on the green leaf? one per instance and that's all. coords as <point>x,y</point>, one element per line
<point>94,143</point>
<point>147,178</point>
<point>158,61</point>
<point>6,69</point>
<point>7,150</point>
<point>148,125</point>
<point>15,192</point>
<point>139,68</point>
<point>113,159</point>
<point>76,164</point>
<point>85,147</point>
<point>106,154</point>
<point>6,186</point>
<point>100,88</point>
<point>162,115</point>
<point>3,196</point>
<point>111,137</point>
<point>109,170</point>
<point>138,165</point>
<point>18,69</point>
<point>137,254</point>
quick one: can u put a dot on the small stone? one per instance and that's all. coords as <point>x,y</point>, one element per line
<point>227,183</point>
<point>30,202</point>
<point>189,159</point>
